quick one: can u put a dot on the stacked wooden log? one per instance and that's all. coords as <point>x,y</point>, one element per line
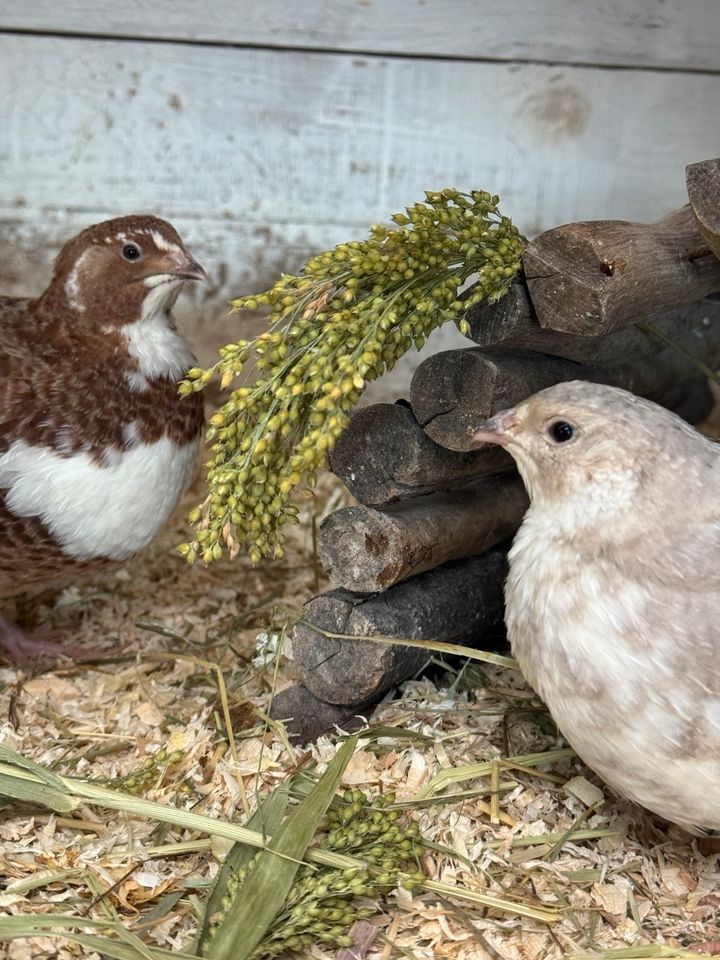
<point>422,556</point>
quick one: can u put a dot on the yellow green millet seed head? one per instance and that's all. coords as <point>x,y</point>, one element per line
<point>343,320</point>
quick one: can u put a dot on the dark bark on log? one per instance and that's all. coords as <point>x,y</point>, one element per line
<point>368,550</point>
<point>455,391</point>
<point>592,277</point>
<point>306,718</point>
<point>508,320</point>
<point>703,187</point>
<point>694,400</point>
<point>384,455</point>
<point>511,323</point>
<point>460,602</point>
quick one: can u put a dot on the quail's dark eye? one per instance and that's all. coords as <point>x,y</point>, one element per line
<point>561,431</point>
<point>131,251</point>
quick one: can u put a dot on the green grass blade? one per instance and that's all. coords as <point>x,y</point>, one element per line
<point>640,953</point>
<point>470,771</point>
<point>82,791</point>
<point>542,839</point>
<point>15,759</point>
<point>164,905</point>
<point>436,646</point>
<point>62,925</point>
<point>543,914</point>
<point>21,786</point>
<point>396,733</point>
<point>263,892</point>
<point>43,879</point>
<point>266,819</point>
<point>122,951</point>
<point>95,795</point>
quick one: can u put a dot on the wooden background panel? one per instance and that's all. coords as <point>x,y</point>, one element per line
<point>261,157</point>
<point>655,33</point>
<point>325,143</point>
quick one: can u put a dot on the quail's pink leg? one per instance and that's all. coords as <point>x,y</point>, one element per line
<point>22,648</point>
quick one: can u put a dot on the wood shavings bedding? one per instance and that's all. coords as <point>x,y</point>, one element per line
<point>644,885</point>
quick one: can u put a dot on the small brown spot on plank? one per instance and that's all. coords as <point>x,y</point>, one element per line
<point>560,111</point>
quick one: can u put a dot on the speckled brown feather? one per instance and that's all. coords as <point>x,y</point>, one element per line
<point>31,558</point>
<point>68,390</point>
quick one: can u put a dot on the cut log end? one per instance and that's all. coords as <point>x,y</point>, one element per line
<point>511,324</point>
<point>456,390</point>
<point>453,392</point>
<point>703,186</point>
<point>367,550</point>
<point>459,602</point>
<point>512,317</point>
<point>306,717</point>
<point>384,455</point>
<point>592,277</point>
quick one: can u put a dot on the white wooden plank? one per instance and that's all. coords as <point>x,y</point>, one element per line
<point>261,157</point>
<point>655,33</point>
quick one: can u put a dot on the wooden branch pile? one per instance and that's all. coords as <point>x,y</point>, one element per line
<point>423,554</point>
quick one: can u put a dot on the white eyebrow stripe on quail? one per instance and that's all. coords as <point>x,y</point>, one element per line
<point>162,244</point>
<point>72,285</point>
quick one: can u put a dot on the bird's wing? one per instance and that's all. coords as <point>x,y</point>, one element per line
<point>686,554</point>
<point>678,625</point>
<point>15,345</point>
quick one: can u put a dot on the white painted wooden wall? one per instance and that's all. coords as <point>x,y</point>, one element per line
<point>268,130</point>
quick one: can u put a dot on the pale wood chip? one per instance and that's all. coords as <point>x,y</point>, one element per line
<point>585,791</point>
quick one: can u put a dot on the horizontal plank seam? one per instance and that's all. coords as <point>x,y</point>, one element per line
<point>10,215</point>
<point>340,52</point>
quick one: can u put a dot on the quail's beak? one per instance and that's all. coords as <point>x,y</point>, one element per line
<point>497,429</point>
<point>185,267</point>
